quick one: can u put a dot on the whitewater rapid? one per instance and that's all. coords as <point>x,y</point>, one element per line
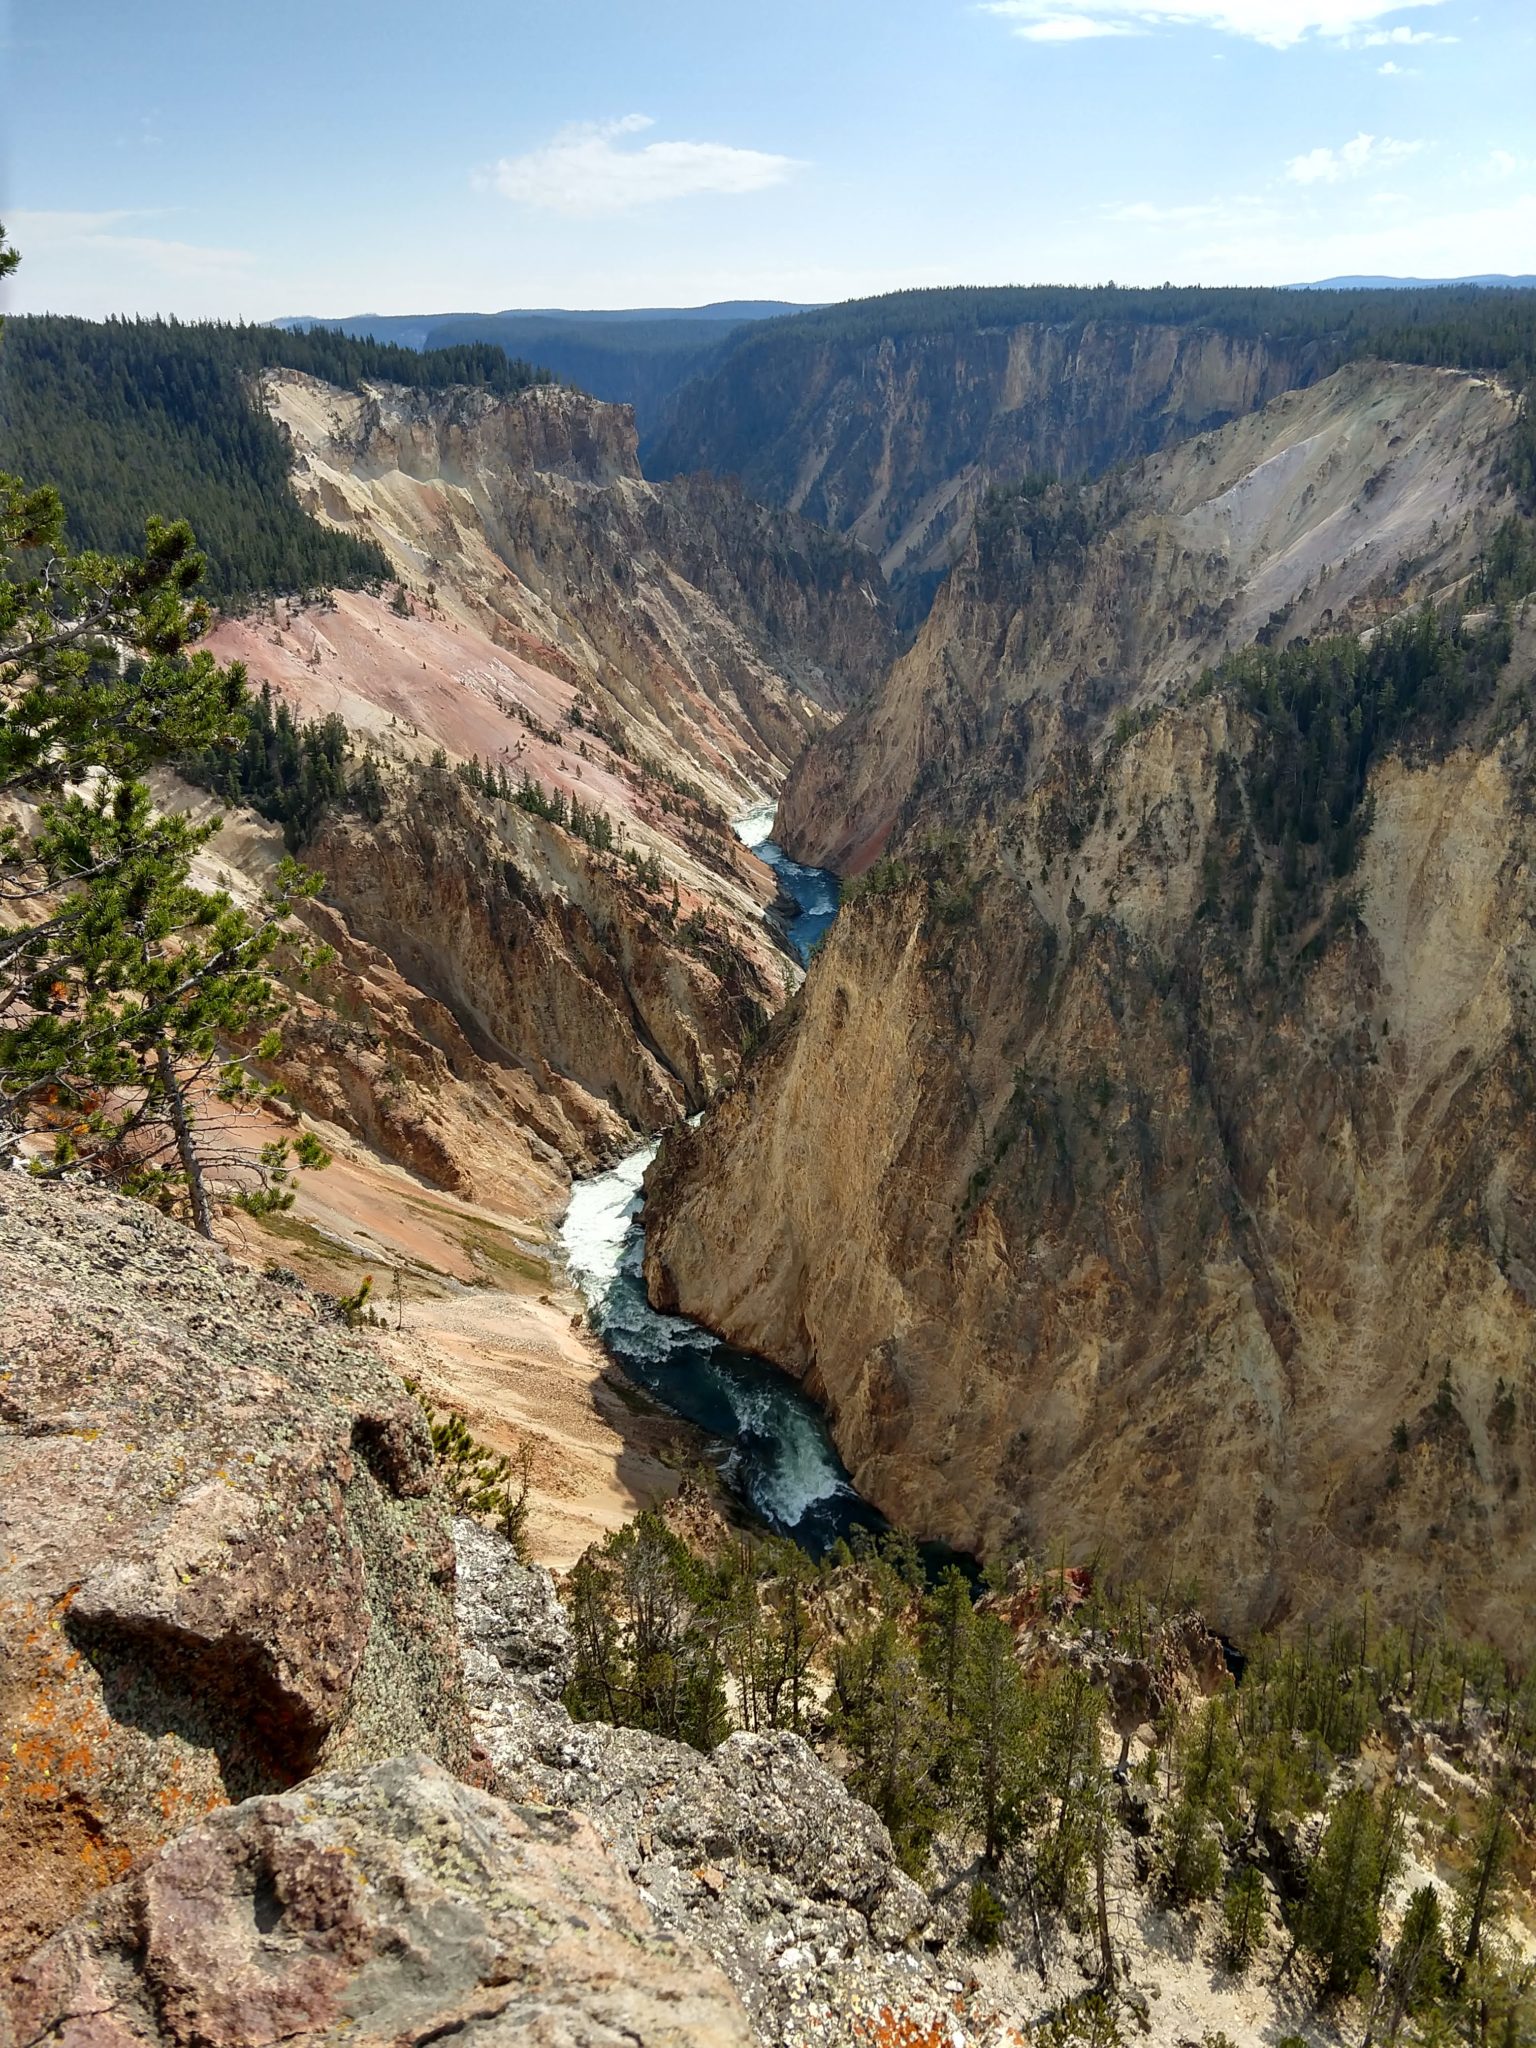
<point>773,1447</point>
<point>814,891</point>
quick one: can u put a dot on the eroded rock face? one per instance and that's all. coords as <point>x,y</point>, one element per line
<point>218,1567</point>
<point>1090,1232</point>
<point>756,1851</point>
<point>388,1905</point>
<point>1096,1213</point>
<point>714,632</point>
<point>893,441</point>
<point>550,962</point>
<point>508,1006</point>
<point>1298,518</point>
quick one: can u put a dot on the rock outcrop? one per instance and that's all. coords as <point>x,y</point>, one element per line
<point>384,1906</point>
<point>219,1568</point>
<point>1104,1203</point>
<point>755,1851</point>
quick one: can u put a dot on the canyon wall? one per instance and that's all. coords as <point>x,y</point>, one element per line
<point>1109,1202</point>
<point>1075,606</point>
<point>893,441</point>
<point>657,655</point>
<point>709,630</point>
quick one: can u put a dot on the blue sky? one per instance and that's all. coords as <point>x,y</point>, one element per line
<point>326,156</point>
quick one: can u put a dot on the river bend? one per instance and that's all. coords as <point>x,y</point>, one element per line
<point>773,1448</point>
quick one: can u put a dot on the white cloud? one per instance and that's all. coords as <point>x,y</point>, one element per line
<point>1279,23</point>
<point>592,167</point>
<point>1397,38</point>
<point>42,235</point>
<point>1391,70</point>
<point>1072,28</point>
<point>1502,165</point>
<point>1357,159</point>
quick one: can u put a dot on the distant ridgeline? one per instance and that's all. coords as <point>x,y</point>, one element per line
<point>134,417</point>
<point>743,415</point>
<point>1469,326</point>
<point>631,358</point>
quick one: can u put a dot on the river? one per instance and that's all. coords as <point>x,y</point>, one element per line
<point>773,1449</point>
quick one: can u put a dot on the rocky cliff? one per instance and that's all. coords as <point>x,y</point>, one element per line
<point>1109,1193</point>
<point>385,1906</point>
<point>892,441</point>
<point>224,1578</point>
<point>706,629</point>
<point>655,655</point>
<point>557,965</point>
<point>281,1761</point>
<point>1074,606</point>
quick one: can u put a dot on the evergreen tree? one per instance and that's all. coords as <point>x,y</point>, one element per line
<point>1340,1919</point>
<point>1478,1897</point>
<point>1245,1913</point>
<point>947,1625</point>
<point>651,1639</point>
<point>1193,1848</point>
<point>120,983</point>
<point>1000,1745</point>
<point>794,1640</point>
<point>884,1714</point>
<point>1415,1973</point>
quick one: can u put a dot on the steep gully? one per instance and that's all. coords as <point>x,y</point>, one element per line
<point>776,1456</point>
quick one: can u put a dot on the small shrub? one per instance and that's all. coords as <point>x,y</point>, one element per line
<point>475,1480</point>
<point>987,1916</point>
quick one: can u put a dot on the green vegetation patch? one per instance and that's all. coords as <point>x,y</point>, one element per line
<point>291,771</point>
<point>1277,1797</point>
<point>1327,711</point>
<point>138,418</point>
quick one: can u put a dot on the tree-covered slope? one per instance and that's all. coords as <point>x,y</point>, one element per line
<point>1465,327</point>
<point>151,417</point>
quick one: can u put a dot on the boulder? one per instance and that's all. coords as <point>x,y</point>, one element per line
<point>757,1851</point>
<point>389,1905</point>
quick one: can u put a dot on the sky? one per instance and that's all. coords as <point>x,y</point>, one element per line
<point>329,157</point>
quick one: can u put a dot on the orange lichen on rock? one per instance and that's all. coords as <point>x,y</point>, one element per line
<point>176,1640</point>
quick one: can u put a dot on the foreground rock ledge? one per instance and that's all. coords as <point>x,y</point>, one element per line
<point>393,1904</point>
<point>219,1571</point>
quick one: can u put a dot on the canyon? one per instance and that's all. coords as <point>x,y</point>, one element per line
<point>1100,1214</point>
<point>894,439</point>
<point>1133,1173</point>
<point>1061,1200</point>
<point>504,1005</point>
